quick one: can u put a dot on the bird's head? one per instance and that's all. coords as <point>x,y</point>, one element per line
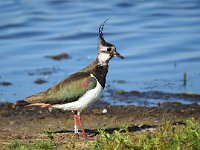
<point>106,51</point>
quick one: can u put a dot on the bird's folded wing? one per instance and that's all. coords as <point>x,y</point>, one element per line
<point>68,90</point>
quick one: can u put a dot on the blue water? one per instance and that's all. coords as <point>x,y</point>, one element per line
<point>159,39</point>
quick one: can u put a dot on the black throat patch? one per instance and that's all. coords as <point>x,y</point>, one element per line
<point>100,73</point>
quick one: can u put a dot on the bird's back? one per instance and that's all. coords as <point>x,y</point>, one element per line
<point>68,90</point>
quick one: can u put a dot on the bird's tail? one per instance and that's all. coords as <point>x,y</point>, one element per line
<point>24,103</point>
<point>21,103</point>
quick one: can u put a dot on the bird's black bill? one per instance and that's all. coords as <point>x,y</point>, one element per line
<point>118,55</point>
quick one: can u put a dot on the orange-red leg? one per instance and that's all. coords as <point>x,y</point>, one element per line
<point>81,124</point>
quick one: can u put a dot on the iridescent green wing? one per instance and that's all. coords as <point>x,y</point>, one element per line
<point>69,89</point>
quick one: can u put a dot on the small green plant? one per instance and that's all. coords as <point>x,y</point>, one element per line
<point>49,143</point>
<point>49,134</point>
<point>191,135</point>
<point>46,145</point>
<point>184,78</point>
<point>118,140</point>
<point>16,145</point>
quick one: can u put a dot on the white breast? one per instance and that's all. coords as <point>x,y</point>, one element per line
<point>85,100</point>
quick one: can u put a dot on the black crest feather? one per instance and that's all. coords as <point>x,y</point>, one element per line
<point>103,42</point>
<point>101,29</point>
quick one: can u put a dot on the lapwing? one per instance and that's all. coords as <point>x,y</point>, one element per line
<point>80,89</point>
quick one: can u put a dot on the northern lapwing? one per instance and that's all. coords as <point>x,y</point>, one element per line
<point>79,89</point>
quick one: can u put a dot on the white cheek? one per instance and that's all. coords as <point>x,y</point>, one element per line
<point>104,57</point>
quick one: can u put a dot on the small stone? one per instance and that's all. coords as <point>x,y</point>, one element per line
<point>105,111</point>
<point>4,83</point>
<point>39,81</point>
<point>120,92</point>
<point>59,56</point>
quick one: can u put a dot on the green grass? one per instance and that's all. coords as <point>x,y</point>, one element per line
<point>169,137</point>
<point>17,145</point>
<point>117,140</point>
<point>166,137</point>
<point>40,144</point>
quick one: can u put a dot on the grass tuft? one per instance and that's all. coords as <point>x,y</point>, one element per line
<point>167,137</point>
<point>16,145</point>
<point>49,143</point>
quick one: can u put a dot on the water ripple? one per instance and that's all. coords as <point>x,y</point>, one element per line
<point>159,39</point>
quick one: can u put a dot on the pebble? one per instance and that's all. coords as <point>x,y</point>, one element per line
<point>105,111</point>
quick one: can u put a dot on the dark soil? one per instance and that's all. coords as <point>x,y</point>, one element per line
<point>30,123</point>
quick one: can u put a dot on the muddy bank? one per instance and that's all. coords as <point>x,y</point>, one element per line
<point>29,123</point>
<point>150,98</point>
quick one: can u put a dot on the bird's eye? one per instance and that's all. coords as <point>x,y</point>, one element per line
<point>109,49</point>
